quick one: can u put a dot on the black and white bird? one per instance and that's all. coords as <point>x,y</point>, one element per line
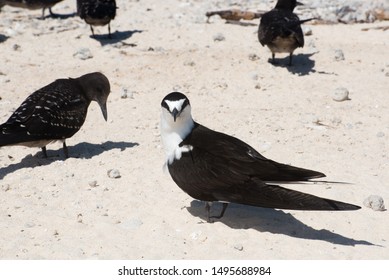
<point>280,29</point>
<point>55,112</point>
<point>212,166</point>
<point>32,4</point>
<point>97,12</point>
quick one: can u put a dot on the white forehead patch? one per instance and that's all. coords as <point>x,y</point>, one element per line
<point>175,104</point>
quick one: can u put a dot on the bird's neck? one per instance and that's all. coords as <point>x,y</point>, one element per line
<point>172,134</point>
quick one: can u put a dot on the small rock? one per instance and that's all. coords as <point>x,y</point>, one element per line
<point>195,235</point>
<point>189,63</point>
<point>79,218</point>
<point>219,37</point>
<point>339,55</point>
<point>375,202</point>
<point>253,57</point>
<point>307,31</point>
<point>83,54</point>
<point>113,173</point>
<point>29,225</point>
<point>16,47</point>
<point>124,94</point>
<point>5,187</point>
<point>93,184</point>
<point>238,247</point>
<point>257,86</point>
<point>340,94</point>
<point>254,76</point>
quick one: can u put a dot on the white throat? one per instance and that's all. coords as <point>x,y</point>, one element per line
<point>174,132</point>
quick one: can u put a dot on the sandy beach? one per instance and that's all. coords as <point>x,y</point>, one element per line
<point>59,208</point>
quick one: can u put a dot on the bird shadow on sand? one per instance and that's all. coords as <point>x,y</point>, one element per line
<point>270,220</point>
<point>3,38</point>
<point>82,150</point>
<point>302,64</point>
<point>59,16</point>
<point>116,37</point>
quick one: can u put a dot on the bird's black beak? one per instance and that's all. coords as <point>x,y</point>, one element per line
<point>175,113</point>
<point>103,107</point>
<point>299,3</point>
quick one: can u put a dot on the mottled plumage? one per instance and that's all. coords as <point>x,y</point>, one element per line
<point>213,166</point>
<point>97,12</point>
<point>32,4</point>
<point>55,112</point>
<point>280,29</point>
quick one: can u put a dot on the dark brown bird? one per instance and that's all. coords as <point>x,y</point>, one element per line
<point>97,12</point>
<point>280,29</point>
<point>213,166</point>
<point>32,4</point>
<point>55,112</point>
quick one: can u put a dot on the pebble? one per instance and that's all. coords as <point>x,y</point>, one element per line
<point>340,94</point>
<point>5,187</point>
<point>93,183</point>
<point>29,225</point>
<point>307,30</point>
<point>339,55</point>
<point>113,173</point>
<point>254,76</point>
<point>195,235</point>
<point>219,37</point>
<point>83,54</point>
<point>238,247</point>
<point>375,202</point>
<point>253,57</point>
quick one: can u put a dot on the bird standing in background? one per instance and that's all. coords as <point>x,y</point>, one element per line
<point>280,29</point>
<point>55,112</point>
<point>212,166</point>
<point>97,12</point>
<point>32,5</point>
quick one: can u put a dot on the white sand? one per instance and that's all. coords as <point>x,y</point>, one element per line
<point>49,210</point>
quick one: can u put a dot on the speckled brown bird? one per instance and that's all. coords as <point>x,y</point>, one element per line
<point>280,29</point>
<point>97,12</point>
<point>55,112</point>
<point>32,4</point>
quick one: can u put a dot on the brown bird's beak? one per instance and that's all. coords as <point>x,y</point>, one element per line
<point>103,107</point>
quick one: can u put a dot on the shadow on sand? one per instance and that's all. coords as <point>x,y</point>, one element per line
<point>82,150</point>
<point>270,220</point>
<point>116,37</point>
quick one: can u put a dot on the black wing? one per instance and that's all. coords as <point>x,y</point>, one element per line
<point>244,159</point>
<point>280,23</point>
<point>56,111</point>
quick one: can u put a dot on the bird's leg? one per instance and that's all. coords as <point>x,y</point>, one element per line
<point>43,13</point>
<point>109,31</point>
<point>273,56</point>
<point>93,33</point>
<point>290,59</point>
<point>44,151</point>
<point>53,14</point>
<point>208,209</point>
<point>225,205</point>
<point>65,150</point>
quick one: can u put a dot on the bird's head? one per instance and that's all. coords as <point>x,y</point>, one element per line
<point>97,88</point>
<point>288,5</point>
<point>176,109</point>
